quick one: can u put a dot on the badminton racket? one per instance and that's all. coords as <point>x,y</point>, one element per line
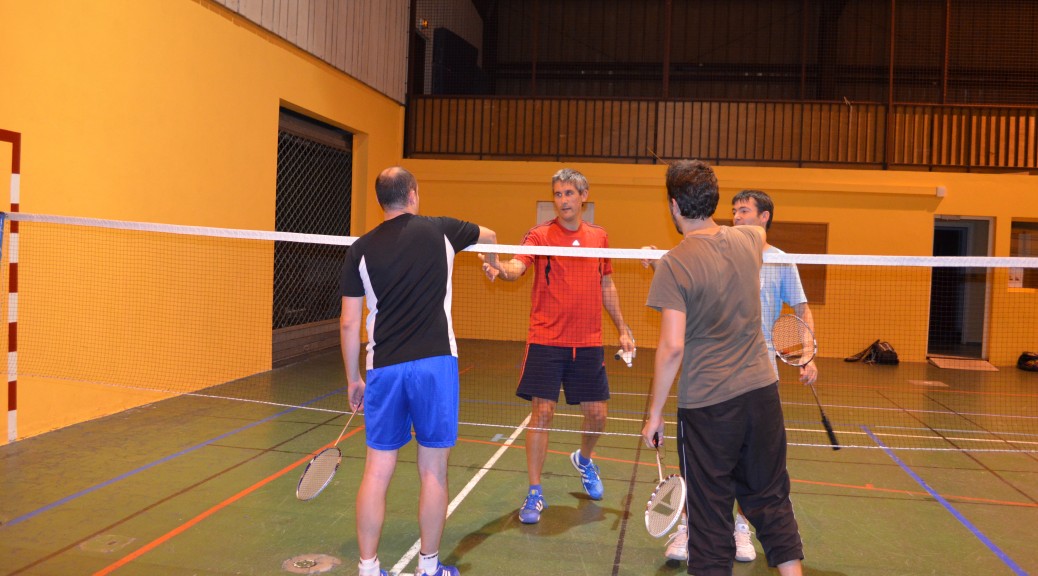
<point>795,345</point>
<point>321,469</point>
<point>667,500</point>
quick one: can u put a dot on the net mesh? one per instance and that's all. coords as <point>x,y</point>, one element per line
<point>183,310</point>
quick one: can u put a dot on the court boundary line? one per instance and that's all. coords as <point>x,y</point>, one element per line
<point>91,489</point>
<point>184,526</point>
<point>864,487</point>
<point>460,497</point>
<point>1012,565</point>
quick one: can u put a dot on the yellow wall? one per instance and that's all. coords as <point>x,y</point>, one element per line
<point>868,212</point>
<point>160,111</point>
<point>167,112</point>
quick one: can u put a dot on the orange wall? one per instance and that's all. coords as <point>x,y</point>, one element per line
<point>158,112</point>
<point>868,212</point>
<point>167,112</point>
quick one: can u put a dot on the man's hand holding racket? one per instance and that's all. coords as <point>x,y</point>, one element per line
<point>808,373</point>
<point>356,393</point>
<point>667,501</point>
<point>652,431</point>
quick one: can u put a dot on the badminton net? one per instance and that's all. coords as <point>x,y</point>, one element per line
<point>233,315</point>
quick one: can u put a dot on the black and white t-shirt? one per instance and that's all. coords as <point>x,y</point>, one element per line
<point>404,268</point>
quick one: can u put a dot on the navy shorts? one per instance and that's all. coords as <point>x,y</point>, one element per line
<point>422,394</point>
<point>580,372</point>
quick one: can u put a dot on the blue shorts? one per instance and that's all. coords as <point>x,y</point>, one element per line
<point>580,372</point>
<point>421,393</point>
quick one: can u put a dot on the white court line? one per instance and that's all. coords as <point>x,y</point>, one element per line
<point>461,495</point>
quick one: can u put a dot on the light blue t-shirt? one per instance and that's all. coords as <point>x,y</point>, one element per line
<point>778,283</point>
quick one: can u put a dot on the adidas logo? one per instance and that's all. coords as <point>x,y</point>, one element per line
<point>576,242</point>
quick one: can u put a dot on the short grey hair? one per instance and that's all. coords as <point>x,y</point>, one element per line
<point>570,176</point>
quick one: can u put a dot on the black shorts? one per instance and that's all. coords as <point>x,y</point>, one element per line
<point>580,372</point>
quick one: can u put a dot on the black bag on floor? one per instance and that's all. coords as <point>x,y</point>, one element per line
<point>1028,361</point>
<point>879,352</point>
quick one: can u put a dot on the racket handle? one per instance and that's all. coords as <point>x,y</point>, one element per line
<point>829,431</point>
<point>343,433</point>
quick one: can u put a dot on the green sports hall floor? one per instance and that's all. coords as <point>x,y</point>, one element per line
<point>204,486</point>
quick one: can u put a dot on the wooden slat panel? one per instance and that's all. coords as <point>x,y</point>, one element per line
<point>364,38</point>
<point>796,127</point>
<point>436,123</point>
<point>267,15</point>
<point>304,23</point>
<point>251,9</point>
<point>543,136</point>
<point>790,132</point>
<point>319,17</point>
<point>661,145</point>
<point>342,34</point>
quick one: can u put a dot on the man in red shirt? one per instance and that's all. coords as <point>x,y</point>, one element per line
<point>564,345</point>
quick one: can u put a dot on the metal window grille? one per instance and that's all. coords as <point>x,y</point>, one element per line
<point>314,191</point>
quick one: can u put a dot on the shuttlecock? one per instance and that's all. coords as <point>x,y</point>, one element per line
<point>627,357</point>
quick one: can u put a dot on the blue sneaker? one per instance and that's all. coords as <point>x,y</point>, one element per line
<point>588,476</point>
<point>530,513</point>
<point>441,570</point>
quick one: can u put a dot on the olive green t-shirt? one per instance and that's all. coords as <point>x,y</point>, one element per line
<point>715,280</point>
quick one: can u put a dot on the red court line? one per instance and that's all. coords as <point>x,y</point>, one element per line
<point>941,390</point>
<point>865,487</point>
<point>192,522</point>
<point>207,513</point>
<point>871,488</point>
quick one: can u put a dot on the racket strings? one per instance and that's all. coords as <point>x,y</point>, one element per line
<point>792,339</point>
<point>318,473</point>
<point>789,338</point>
<point>665,506</point>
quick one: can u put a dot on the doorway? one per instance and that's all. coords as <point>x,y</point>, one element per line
<point>958,296</point>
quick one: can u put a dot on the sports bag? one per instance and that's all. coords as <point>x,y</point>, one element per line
<point>1028,361</point>
<point>879,352</point>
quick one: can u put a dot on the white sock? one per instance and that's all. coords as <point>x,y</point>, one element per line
<point>428,563</point>
<point>369,567</point>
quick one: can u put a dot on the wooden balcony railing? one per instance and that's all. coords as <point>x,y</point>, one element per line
<point>848,134</point>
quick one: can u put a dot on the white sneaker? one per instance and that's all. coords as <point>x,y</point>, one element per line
<point>677,544</point>
<point>744,550</point>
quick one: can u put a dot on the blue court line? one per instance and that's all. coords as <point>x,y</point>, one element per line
<point>126,475</point>
<point>948,506</point>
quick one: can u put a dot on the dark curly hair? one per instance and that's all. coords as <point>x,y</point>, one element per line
<point>693,185</point>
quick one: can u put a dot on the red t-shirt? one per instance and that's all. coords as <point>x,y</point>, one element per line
<point>567,291</point>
